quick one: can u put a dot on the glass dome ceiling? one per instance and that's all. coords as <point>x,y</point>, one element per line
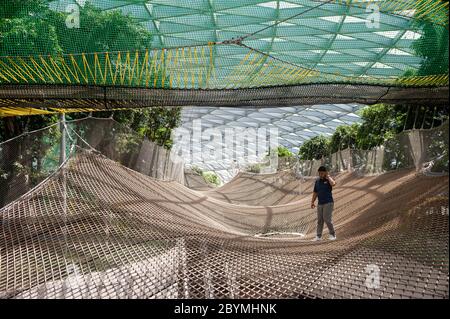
<point>293,125</point>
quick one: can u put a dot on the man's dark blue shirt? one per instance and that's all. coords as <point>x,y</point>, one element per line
<point>323,189</point>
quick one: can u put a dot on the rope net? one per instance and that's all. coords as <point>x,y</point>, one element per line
<point>262,189</point>
<point>425,150</point>
<point>27,160</point>
<point>97,229</point>
<point>123,145</point>
<point>169,53</point>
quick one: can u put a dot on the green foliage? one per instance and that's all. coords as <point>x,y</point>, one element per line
<point>432,46</point>
<point>284,152</point>
<point>13,126</point>
<point>100,31</point>
<point>344,137</point>
<point>211,178</point>
<point>20,8</point>
<point>30,27</point>
<point>27,160</point>
<point>24,29</point>
<point>380,123</point>
<point>21,33</point>
<point>315,148</point>
<point>439,149</point>
<point>159,124</point>
<point>126,143</point>
<point>24,36</point>
<point>155,123</point>
<point>254,168</point>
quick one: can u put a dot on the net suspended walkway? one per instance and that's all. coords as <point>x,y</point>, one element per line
<point>96,229</point>
<point>255,54</point>
<point>263,189</point>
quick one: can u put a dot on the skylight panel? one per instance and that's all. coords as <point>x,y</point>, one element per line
<point>395,51</point>
<point>335,19</point>
<point>271,4</point>
<point>344,37</point>
<point>388,34</point>
<point>288,5</point>
<point>363,64</point>
<point>379,65</point>
<point>350,19</point>
<point>411,35</point>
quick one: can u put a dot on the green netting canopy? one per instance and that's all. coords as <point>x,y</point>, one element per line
<point>135,53</point>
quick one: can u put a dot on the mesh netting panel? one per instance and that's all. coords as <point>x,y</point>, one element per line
<point>262,189</point>
<point>27,160</point>
<point>195,180</point>
<point>137,53</point>
<point>423,149</point>
<point>121,144</point>
<point>97,98</point>
<point>99,230</point>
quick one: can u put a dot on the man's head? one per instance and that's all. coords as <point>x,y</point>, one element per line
<point>323,172</point>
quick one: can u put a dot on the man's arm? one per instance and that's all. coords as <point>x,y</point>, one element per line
<point>332,181</point>
<point>314,197</point>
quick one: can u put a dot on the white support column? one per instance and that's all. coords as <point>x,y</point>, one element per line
<point>62,149</point>
<point>70,266</point>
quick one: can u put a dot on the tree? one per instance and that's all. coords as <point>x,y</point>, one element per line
<point>380,123</point>
<point>21,8</point>
<point>22,33</point>
<point>100,31</point>
<point>21,160</point>
<point>432,46</point>
<point>344,137</point>
<point>24,29</point>
<point>155,123</point>
<point>315,148</point>
<point>284,152</point>
<point>29,27</point>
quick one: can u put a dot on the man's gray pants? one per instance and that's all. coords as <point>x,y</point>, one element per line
<point>324,214</point>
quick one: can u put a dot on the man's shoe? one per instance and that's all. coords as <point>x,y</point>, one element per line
<point>317,238</point>
<point>332,237</point>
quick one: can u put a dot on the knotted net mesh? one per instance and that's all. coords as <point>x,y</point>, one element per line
<point>425,150</point>
<point>107,54</point>
<point>97,229</point>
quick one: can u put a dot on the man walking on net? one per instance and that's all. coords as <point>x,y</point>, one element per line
<point>323,190</point>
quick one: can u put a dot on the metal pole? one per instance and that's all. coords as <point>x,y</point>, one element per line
<point>62,158</point>
<point>434,114</point>
<point>424,117</point>
<point>62,129</point>
<point>406,118</point>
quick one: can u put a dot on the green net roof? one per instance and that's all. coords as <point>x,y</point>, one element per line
<point>332,37</point>
<point>222,44</point>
